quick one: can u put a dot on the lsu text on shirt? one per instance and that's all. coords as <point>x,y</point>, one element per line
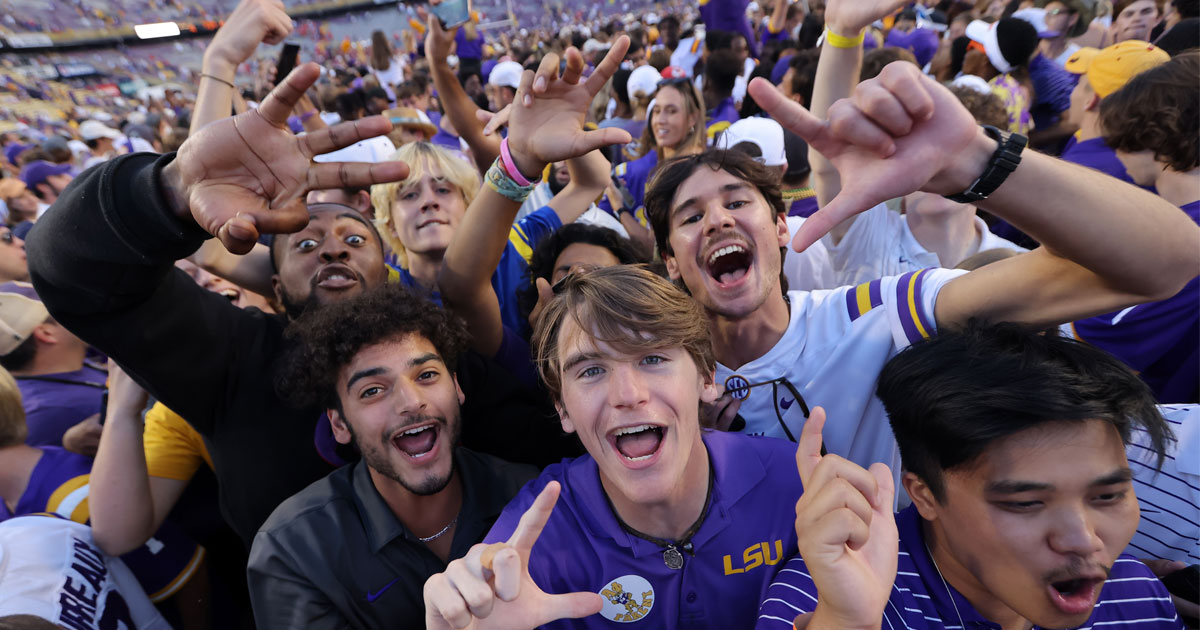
<point>1131,597</point>
<point>832,352</point>
<point>747,535</point>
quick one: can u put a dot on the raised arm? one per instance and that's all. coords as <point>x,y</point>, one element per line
<point>127,505</point>
<point>837,74</point>
<point>1107,244</point>
<point>548,128</point>
<point>459,107</point>
<point>102,259</point>
<point>252,22</point>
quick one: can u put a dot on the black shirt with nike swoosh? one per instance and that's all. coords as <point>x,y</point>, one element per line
<point>335,556</point>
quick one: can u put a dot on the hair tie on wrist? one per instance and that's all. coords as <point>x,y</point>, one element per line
<point>841,41</point>
<point>218,79</point>
<point>499,179</point>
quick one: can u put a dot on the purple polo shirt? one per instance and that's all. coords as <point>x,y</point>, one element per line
<point>920,599</point>
<point>747,534</point>
<point>1096,154</point>
<point>52,407</point>
<point>1159,340</point>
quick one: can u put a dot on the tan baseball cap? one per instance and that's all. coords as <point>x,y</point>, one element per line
<point>19,314</point>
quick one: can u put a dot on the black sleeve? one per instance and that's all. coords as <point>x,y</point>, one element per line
<point>101,259</point>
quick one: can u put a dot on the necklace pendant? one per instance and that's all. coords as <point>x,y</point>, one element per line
<point>673,558</point>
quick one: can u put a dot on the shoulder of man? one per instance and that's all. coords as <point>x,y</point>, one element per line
<point>304,510</point>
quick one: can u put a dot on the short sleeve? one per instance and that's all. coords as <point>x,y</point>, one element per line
<point>909,300</point>
<point>529,231</point>
<point>174,450</point>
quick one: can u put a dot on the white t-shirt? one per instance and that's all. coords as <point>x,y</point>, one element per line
<point>51,567</point>
<point>836,343</point>
<point>810,269</point>
<point>1062,59</point>
<point>687,53</point>
<point>880,243</point>
<point>390,78</point>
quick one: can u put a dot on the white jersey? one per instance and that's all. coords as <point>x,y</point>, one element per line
<point>879,243</point>
<point>832,352</point>
<point>50,567</point>
<point>810,269</point>
<point>1169,498</point>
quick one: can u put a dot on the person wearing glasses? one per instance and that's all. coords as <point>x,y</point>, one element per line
<point>675,126</point>
<point>721,235</point>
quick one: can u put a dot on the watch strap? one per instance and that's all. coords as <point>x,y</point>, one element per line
<point>1002,163</point>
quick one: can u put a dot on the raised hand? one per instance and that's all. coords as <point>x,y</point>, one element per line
<point>438,40</point>
<point>490,587</point>
<point>248,175</point>
<point>546,122</point>
<point>251,23</point>
<point>848,17</point>
<point>846,533</point>
<point>898,133</point>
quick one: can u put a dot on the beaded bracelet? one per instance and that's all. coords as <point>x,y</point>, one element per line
<point>841,41</point>
<point>498,179</point>
<point>511,166</point>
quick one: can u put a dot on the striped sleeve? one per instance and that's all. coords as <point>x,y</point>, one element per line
<point>910,300</point>
<point>863,298</point>
<point>1169,498</point>
<point>792,593</point>
<point>529,231</point>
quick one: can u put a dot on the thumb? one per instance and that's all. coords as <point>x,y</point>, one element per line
<point>887,486</point>
<point>601,138</point>
<point>570,606</point>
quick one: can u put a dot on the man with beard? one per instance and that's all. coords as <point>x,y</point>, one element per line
<point>356,547</point>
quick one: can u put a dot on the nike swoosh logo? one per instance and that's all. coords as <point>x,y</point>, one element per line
<point>786,404</point>
<point>371,597</point>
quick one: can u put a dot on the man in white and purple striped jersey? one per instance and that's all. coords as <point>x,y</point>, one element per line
<point>1013,445</point>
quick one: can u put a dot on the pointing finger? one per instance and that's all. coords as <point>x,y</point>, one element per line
<point>534,519</point>
<point>786,111</point>
<point>344,134</point>
<point>279,103</point>
<point>608,66</point>
<point>808,451</point>
<point>327,175</point>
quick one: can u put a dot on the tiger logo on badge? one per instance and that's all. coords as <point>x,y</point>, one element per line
<point>738,387</point>
<point>627,598</point>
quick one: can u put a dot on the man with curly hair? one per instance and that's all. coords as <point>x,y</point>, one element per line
<point>355,547</point>
<point>1153,124</point>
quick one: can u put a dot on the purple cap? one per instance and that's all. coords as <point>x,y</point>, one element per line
<point>13,150</point>
<point>37,171</point>
<point>780,69</point>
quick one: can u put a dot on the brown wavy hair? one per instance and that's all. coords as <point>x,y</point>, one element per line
<point>1158,110</point>
<point>627,307</point>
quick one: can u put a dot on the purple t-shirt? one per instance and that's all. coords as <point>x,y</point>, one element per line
<point>1095,153</point>
<point>729,15</point>
<point>1159,340</point>
<point>725,111</point>
<point>921,42</point>
<point>804,207</point>
<point>469,48</point>
<point>748,533</point>
<point>57,402</point>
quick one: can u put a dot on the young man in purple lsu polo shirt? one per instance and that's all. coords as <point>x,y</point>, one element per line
<point>1013,446</point>
<point>662,523</point>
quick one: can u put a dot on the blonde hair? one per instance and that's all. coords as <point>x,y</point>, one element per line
<point>627,307</point>
<point>696,139</point>
<point>12,413</point>
<point>422,158</point>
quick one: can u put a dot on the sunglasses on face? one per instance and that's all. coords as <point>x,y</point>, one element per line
<point>7,237</point>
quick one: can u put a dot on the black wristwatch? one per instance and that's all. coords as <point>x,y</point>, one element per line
<point>1003,162</point>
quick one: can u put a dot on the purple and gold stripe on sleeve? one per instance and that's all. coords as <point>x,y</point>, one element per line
<point>910,306</point>
<point>863,298</point>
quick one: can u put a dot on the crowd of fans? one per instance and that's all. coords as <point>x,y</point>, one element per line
<point>738,314</point>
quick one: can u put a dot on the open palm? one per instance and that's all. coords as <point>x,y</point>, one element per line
<point>546,119</point>
<point>248,175</point>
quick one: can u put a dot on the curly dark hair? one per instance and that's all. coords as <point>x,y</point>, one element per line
<point>541,263</point>
<point>1158,110</point>
<point>325,339</point>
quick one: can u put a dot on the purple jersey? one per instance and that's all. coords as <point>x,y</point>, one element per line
<point>468,48</point>
<point>634,176</point>
<point>729,15</point>
<point>59,485</point>
<point>726,111</point>
<point>56,402</point>
<point>921,599</point>
<point>747,534</point>
<point>1159,340</point>
<point>1094,153</point>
